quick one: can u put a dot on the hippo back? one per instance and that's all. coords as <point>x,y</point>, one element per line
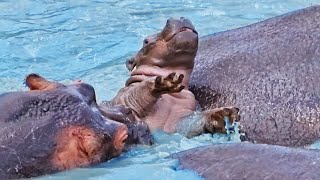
<point>270,70</point>
<point>250,161</point>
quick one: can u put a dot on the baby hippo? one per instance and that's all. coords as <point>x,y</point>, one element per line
<point>157,91</point>
<point>56,127</point>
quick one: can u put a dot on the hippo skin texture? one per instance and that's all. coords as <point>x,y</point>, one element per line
<point>270,71</point>
<point>251,162</point>
<point>34,125</point>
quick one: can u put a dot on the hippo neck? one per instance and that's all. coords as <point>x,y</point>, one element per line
<point>171,108</point>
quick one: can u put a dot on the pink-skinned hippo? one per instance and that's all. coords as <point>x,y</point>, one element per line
<point>57,127</point>
<point>157,90</point>
<point>270,71</point>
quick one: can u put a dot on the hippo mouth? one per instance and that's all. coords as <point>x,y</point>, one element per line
<point>181,30</point>
<point>140,74</point>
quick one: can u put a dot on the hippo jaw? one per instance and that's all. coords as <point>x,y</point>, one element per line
<point>174,48</point>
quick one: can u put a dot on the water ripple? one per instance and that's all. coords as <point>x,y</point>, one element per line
<point>90,40</point>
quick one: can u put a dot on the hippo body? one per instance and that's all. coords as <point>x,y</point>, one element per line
<point>270,70</point>
<point>157,89</point>
<point>251,161</point>
<point>43,132</point>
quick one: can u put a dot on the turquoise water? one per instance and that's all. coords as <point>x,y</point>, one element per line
<point>90,40</point>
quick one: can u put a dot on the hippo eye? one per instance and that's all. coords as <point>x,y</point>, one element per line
<point>145,41</point>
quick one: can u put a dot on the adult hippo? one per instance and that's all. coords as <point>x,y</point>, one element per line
<point>157,90</point>
<point>56,127</point>
<point>251,161</point>
<point>270,70</point>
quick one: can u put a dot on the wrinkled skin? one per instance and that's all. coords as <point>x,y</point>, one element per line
<point>270,70</point>
<point>251,161</point>
<point>157,90</point>
<point>138,131</point>
<point>54,127</point>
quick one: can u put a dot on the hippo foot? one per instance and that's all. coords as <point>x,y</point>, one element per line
<point>218,120</point>
<point>169,84</point>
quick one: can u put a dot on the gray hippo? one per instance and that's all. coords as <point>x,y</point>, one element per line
<point>157,90</point>
<point>56,127</point>
<point>270,70</point>
<point>251,161</point>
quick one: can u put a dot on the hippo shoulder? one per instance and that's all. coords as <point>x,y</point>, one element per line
<point>251,161</point>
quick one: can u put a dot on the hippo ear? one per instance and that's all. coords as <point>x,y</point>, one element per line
<point>36,82</point>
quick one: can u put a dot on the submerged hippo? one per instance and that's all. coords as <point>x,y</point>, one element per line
<point>56,127</point>
<point>157,90</point>
<point>251,161</point>
<point>270,70</point>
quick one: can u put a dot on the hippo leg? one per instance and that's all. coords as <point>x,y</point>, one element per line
<point>215,118</point>
<point>141,96</point>
<point>36,82</point>
<point>211,121</point>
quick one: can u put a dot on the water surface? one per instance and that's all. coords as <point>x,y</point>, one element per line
<point>90,40</point>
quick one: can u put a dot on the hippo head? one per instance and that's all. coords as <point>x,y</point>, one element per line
<point>56,127</point>
<point>173,48</point>
<point>82,126</point>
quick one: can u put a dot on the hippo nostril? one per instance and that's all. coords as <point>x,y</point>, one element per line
<point>120,137</point>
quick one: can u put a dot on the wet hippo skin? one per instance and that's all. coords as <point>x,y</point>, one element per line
<point>157,90</point>
<point>251,161</point>
<point>53,128</point>
<point>270,71</point>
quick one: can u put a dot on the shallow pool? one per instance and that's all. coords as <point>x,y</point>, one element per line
<point>90,40</point>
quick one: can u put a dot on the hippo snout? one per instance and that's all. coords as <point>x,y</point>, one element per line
<point>119,138</point>
<point>114,134</point>
<point>175,26</point>
<point>182,22</point>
